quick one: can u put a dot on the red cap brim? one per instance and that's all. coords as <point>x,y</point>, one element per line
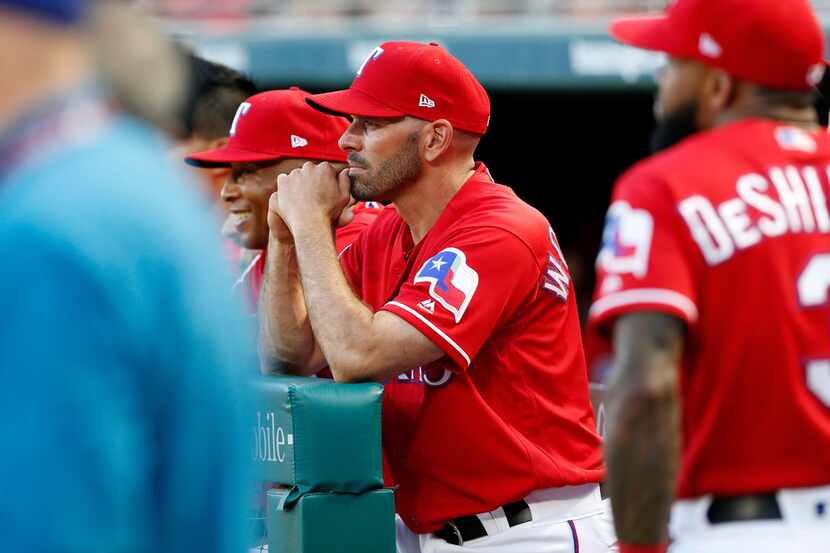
<point>223,157</point>
<point>649,33</point>
<point>351,102</point>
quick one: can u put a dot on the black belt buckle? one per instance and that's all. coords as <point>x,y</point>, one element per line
<point>461,529</point>
<point>459,539</point>
<point>762,506</point>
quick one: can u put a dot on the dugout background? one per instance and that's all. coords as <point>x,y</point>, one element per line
<point>571,108</point>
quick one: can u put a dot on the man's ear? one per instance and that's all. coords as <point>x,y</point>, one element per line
<point>718,93</point>
<point>218,143</point>
<point>438,139</point>
<point>219,172</point>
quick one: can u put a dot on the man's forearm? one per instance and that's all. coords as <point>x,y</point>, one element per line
<point>643,443</point>
<point>285,333</point>
<point>342,323</point>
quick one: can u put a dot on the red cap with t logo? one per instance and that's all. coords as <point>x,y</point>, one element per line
<point>776,43</point>
<point>415,79</point>
<point>274,125</point>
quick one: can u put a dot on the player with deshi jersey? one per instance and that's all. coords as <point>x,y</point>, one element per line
<point>713,283</point>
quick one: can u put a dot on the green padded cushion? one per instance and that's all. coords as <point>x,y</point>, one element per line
<point>332,523</point>
<point>313,434</point>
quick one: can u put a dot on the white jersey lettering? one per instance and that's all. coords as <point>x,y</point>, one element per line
<point>774,221</point>
<point>707,229</point>
<point>801,207</point>
<point>734,215</point>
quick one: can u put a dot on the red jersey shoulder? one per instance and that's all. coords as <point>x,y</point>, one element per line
<point>730,188</point>
<point>497,206</point>
<point>738,145</point>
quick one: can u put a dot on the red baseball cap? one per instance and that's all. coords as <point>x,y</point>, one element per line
<point>274,125</point>
<point>776,43</point>
<point>415,79</point>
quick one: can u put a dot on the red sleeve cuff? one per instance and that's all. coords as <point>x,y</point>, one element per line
<point>655,548</point>
<point>453,350</point>
<point>667,301</point>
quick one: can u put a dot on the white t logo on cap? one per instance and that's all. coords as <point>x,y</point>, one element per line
<point>243,108</point>
<point>373,55</point>
<point>298,141</point>
<point>426,102</point>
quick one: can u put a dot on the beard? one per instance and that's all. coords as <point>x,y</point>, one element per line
<point>402,168</point>
<point>674,127</point>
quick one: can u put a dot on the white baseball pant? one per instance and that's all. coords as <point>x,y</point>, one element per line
<point>804,526</point>
<point>571,519</point>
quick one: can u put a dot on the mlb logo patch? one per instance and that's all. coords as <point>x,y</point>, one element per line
<point>626,240</point>
<point>793,138</point>
<point>452,283</point>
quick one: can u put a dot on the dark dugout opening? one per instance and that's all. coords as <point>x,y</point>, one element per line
<point>561,153</point>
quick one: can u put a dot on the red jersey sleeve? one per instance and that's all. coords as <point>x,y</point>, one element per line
<point>646,259</point>
<point>462,292</point>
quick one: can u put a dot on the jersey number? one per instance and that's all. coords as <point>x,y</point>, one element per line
<point>814,291</point>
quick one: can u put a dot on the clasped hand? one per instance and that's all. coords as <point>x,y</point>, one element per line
<point>310,197</point>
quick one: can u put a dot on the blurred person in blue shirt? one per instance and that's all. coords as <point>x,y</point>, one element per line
<point>122,355</point>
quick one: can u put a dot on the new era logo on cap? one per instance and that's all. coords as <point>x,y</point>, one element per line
<point>815,73</point>
<point>426,102</point>
<point>274,125</point>
<point>709,46</point>
<point>298,141</point>
<point>424,81</point>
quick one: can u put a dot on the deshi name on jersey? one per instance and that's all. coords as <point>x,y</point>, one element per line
<point>506,411</point>
<point>730,232</point>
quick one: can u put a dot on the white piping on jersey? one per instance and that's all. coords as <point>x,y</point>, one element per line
<point>343,251</point>
<point>250,267</point>
<point>437,330</point>
<point>669,298</point>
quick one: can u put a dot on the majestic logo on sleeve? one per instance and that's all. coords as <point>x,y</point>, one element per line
<point>626,240</point>
<point>452,282</point>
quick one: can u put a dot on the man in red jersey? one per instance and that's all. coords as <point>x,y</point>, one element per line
<point>459,300</point>
<point>273,133</point>
<point>713,283</point>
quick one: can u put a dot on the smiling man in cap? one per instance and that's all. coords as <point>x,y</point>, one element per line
<point>458,299</point>
<point>273,133</point>
<point>713,283</point>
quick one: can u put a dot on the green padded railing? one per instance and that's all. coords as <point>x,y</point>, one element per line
<point>319,443</point>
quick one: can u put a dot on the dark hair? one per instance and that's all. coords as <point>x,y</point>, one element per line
<point>214,95</point>
<point>798,99</point>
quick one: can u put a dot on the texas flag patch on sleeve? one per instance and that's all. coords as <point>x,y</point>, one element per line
<point>452,282</point>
